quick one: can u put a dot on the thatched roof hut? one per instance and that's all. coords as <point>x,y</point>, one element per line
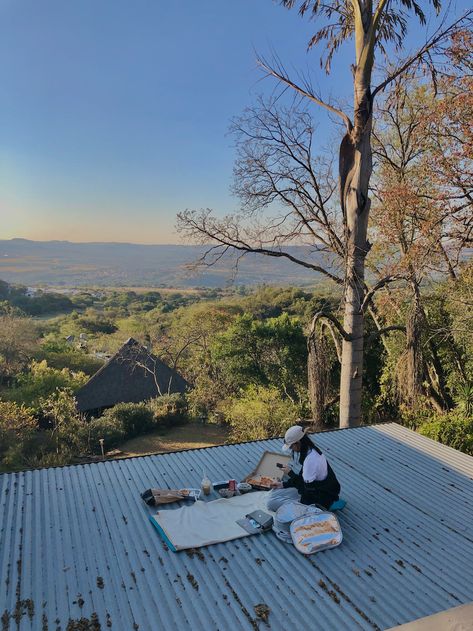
<point>132,375</point>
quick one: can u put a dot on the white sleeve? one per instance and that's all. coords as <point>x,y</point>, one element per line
<point>315,467</point>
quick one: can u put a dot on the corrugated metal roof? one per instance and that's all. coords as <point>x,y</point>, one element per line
<point>77,550</point>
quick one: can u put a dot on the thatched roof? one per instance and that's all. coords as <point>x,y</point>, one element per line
<point>132,375</point>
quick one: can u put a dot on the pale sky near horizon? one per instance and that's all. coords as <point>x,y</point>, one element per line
<point>114,114</point>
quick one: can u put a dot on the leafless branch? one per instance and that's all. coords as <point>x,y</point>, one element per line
<point>281,75</point>
<point>440,35</point>
<point>326,315</point>
<point>379,285</point>
<point>387,329</point>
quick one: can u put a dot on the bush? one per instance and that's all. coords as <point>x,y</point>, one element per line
<point>74,360</point>
<point>169,409</point>
<point>259,413</point>
<point>135,418</point>
<point>64,421</point>
<point>17,424</point>
<point>21,444</point>
<point>110,429</point>
<point>42,381</point>
<point>37,450</point>
<point>453,429</point>
<point>416,415</point>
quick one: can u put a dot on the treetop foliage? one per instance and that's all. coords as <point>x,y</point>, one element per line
<point>388,21</point>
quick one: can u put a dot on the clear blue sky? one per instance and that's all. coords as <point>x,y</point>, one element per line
<point>114,113</point>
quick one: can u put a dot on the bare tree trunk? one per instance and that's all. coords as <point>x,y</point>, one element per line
<point>355,172</point>
<point>415,359</point>
<point>318,377</point>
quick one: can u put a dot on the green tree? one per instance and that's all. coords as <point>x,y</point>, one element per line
<point>270,352</point>
<point>453,429</point>
<point>66,424</point>
<point>372,28</point>
<point>59,354</point>
<point>18,341</point>
<point>259,412</point>
<point>17,426</point>
<point>41,381</point>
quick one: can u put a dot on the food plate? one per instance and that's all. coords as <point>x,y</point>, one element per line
<point>261,482</point>
<point>244,487</point>
<point>315,532</point>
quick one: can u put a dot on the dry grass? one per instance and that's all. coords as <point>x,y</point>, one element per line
<point>190,436</point>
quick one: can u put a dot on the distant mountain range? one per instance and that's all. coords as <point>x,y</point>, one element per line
<point>125,264</point>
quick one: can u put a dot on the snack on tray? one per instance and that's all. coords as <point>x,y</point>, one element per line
<point>262,481</point>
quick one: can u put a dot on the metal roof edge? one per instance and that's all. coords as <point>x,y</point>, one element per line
<point>176,451</point>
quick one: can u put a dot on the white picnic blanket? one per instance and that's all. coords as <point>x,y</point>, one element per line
<point>206,523</point>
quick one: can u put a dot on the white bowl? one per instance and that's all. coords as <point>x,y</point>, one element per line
<point>244,487</point>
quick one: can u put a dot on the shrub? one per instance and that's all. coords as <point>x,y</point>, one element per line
<point>37,450</point>
<point>110,429</point>
<point>41,381</point>
<point>135,418</point>
<point>417,414</point>
<point>74,361</point>
<point>259,413</point>
<point>169,409</point>
<point>21,444</point>
<point>17,424</point>
<point>453,429</point>
<point>65,423</point>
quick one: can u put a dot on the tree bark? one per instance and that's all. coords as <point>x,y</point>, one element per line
<point>355,172</point>
<point>318,377</point>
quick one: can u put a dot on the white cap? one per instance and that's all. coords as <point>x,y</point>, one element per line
<point>293,435</point>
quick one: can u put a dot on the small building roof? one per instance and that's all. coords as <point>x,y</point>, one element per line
<point>76,545</point>
<point>132,375</point>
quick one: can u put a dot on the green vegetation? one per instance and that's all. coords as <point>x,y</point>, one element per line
<point>245,355</point>
<point>259,413</point>
<point>40,381</point>
<point>134,418</point>
<point>453,429</point>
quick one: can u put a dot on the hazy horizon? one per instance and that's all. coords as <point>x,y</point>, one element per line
<point>111,264</point>
<point>93,241</point>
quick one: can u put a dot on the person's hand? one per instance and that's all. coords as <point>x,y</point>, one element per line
<point>286,469</point>
<point>277,485</point>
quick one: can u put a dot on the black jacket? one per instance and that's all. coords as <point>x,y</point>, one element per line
<point>321,492</point>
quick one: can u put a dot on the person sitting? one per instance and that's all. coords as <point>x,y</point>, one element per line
<point>316,482</point>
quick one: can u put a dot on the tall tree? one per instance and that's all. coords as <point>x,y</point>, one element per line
<point>372,28</point>
<point>423,200</point>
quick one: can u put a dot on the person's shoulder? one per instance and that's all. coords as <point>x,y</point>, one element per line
<point>313,455</point>
<point>316,457</point>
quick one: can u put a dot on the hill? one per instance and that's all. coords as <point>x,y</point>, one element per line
<point>126,264</point>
